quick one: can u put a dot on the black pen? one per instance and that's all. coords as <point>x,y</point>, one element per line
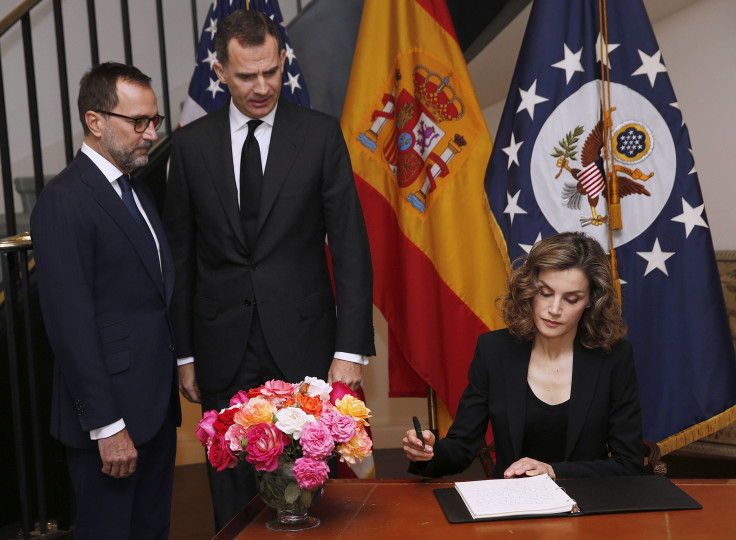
<point>418,429</point>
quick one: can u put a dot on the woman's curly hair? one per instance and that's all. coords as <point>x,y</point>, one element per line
<point>601,324</point>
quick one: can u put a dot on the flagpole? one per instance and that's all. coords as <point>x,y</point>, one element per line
<point>432,410</point>
<point>613,201</point>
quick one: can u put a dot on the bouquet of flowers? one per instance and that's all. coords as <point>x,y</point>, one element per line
<point>279,422</point>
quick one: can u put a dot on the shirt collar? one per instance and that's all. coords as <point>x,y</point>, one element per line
<point>238,120</point>
<point>110,171</point>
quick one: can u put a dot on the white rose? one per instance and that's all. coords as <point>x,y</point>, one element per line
<point>318,387</point>
<point>292,420</point>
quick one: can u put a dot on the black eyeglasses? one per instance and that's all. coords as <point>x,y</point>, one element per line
<point>140,124</point>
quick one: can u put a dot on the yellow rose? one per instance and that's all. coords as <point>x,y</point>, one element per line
<point>352,406</point>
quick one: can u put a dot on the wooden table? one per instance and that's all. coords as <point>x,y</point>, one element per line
<point>407,509</point>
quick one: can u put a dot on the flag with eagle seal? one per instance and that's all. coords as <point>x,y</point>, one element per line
<point>546,175</point>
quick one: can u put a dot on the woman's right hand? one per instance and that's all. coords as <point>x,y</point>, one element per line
<point>413,446</point>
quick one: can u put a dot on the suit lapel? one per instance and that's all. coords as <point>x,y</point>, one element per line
<point>516,368</point>
<point>111,203</point>
<point>283,148</point>
<point>218,158</point>
<point>585,372</point>
<point>167,265</point>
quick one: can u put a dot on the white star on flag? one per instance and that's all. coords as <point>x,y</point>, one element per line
<point>650,66</point>
<point>293,82</point>
<point>691,217</point>
<point>656,258</point>
<point>513,208</point>
<point>212,28</point>
<point>290,56</point>
<point>611,47</point>
<point>693,170</point>
<point>528,247</point>
<point>512,150</point>
<point>211,58</point>
<point>530,99</point>
<point>214,87</point>
<point>571,63</point>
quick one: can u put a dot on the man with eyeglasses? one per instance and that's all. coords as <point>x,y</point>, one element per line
<point>105,277</point>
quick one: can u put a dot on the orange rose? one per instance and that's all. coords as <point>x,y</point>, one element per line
<point>258,410</point>
<point>310,404</point>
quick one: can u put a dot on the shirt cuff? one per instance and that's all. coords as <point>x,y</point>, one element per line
<point>184,361</point>
<point>107,431</point>
<point>351,357</point>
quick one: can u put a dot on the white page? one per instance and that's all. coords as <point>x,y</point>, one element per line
<point>514,496</point>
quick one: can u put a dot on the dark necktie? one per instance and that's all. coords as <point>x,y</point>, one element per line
<point>251,182</point>
<point>126,187</point>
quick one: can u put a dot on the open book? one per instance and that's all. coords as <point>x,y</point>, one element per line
<point>515,497</point>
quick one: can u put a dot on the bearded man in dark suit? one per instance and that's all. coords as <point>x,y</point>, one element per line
<point>253,190</point>
<point>105,278</point>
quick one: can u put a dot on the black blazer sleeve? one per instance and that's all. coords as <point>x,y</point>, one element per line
<point>348,244</point>
<point>456,451</point>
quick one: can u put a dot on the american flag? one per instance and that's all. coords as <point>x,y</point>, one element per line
<point>206,92</point>
<point>672,298</point>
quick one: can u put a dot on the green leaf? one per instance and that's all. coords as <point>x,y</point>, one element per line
<point>292,492</point>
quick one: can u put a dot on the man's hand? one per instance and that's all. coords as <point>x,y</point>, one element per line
<point>119,456</point>
<point>345,372</point>
<point>188,383</point>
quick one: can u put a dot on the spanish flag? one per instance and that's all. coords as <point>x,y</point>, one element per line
<point>419,147</point>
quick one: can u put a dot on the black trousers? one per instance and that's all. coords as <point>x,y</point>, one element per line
<point>232,489</point>
<point>134,508</point>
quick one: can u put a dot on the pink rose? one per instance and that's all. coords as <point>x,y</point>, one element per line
<point>265,445</point>
<point>204,427</point>
<point>317,440</point>
<point>234,437</point>
<point>241,398</point>
<point>219,454</point>
<point>310,473</point>
<point>342,427</point>
<point>274,389</point>
<point>339,390</point>
<point>357,448</point>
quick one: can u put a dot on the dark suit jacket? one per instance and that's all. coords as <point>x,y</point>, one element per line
<point>604,411</point>
<point>308,191</point>
<point>105,307</point>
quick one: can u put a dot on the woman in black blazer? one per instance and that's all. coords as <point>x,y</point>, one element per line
<point>558,385</point>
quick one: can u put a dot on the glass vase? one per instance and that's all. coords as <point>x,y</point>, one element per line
<point>279,490</point>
